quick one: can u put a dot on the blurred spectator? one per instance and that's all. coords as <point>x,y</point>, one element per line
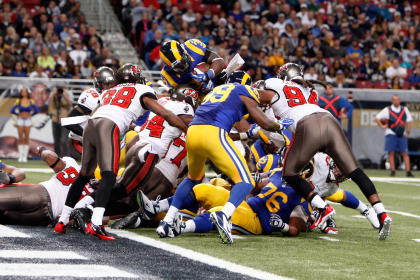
<point>78,55</point>
<point>395,83</point>
<point>45,60</point>
<point>55,45</point>
<point>395,70</point>
<point>340,80</point>
<point>354,51</point>
<point>410,53</point>
<point>366,69</point>
<point>86,70</point>
<point>8,60</point>
<point>60,103</point>
<point>414,79</point>
<point>38,73</point>
<point>310,74</point>
<point>18,71</point>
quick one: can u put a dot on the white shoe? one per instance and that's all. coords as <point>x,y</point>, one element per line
<point>372,217</point>
<point>20,152</point>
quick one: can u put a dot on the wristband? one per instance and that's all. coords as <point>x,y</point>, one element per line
<point>243,136</point>
<point>12,178</point>
<point>210,74</point>
<point>285,228</point>
<point>55,163</point>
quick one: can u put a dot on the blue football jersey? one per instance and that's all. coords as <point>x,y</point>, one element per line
<point>197,50</point>
<point>278,198</point>
<point>223,107</point>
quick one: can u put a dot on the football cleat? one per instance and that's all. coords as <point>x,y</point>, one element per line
<point>165,230</point>
<point>223,225</point>
<point>372,217</point>
<point>146,207</point>
<point>81,218</point>
<point>385,225</point>
<point>60,228</point>
<point>130,221</point>
<point>330,227</point>
<point>99,231</point>
<point>323,216</point>
<point>178,225</point>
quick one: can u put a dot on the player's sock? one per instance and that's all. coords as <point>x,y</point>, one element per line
<point>363,181</point>
<point>182,196</point>
<point>189,226</point>
<point>163,205</point>
<point>103,192</point>
<point>170,215</point>
<point>202,223</point>
<point>76,190</point>
<point>351,201</point>
<point>65,214</point>
<point>228,209</point>
<point>379,207</point>
<point>362,207</point>
<point>97,215</point>
<point>84,202</point>
<point>239,193</point>
<point>317,202</point>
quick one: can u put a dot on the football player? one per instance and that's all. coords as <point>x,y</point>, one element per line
<point>120,106</point>
<point>10,174</point>
<point>276,208</point>
<point>208,138</point>
<point>315,129</point>
<point>181,59</point>
<point>325,176</point>
<point>39,204</point>
<point>152,143</point>
<point>87,102</point>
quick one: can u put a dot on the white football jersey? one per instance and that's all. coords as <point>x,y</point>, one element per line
<point>90,99</point>
<point>292,100</point>
<point>59,184</point>
<point>122,104</point>
<point>175,160</point>
<point>319,178</point>
<point>159,132</point>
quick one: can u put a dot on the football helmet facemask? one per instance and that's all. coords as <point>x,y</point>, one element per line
<point>175,57</point>
<point>186,94</point>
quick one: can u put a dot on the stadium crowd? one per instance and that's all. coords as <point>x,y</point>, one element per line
<point>348,43</point>
<point>52,39</point>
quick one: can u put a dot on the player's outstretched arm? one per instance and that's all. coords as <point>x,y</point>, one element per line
<point>11,174</point>
<point>52,159</point>
<point>258,116</point>
<point>170,117</point>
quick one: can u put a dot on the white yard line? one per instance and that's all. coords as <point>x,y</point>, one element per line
<point>359,217</point>
<point>234,236</point>
<point>62,270</point>
<point>40,254</point>
<point>38,170</point>
<point>199,257</point>
<point>393,179</point>
<point>329,238</point>
<point>416,240</point>
<point>9,232</point>
<point>404,214</point>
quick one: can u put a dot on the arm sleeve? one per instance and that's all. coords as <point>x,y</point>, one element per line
<point>75,128</point>
<point>409,117</point>
<point>384,114</point>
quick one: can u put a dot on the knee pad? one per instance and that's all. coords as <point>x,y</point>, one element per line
<point>338,196</point>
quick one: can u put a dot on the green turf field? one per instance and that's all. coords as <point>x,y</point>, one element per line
<point>357,254</point>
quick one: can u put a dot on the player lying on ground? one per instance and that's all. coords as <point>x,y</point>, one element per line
<point>39,204</point>
<point>276,207</point>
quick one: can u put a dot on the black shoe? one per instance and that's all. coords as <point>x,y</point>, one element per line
<point>99,231</point>
<point>81,217</point>
<point>130,221</point>
<point>392,174</point>
<point>409,174</point>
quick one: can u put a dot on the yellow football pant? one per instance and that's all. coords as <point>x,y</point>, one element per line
<point>211,142</point>
<point>212,198</point>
